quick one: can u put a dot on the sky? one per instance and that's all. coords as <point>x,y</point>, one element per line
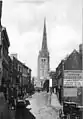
<point>24,21</point>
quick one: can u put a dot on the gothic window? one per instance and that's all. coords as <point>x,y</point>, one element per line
<point>43,60</point>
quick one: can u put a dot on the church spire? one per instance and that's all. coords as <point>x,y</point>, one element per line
<point>44,42</point>
<point>0,11</point>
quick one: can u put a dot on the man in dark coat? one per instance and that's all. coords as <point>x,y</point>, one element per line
<point>22,112</point>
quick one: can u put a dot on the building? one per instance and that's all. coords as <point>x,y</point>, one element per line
<point>52,75</point>
<point>59,78</point>
<point>10,72</point>
<point>21,77</point>
<point>69,78</point>
<point>26,77</point>
<point>36,83</point>
<point>43,59</point>
<point>4,60</point>
<point>71,65</point>
<point>33,81</point>
<point>14,55</point>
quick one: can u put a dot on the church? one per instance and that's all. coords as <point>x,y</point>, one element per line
<point>43,59</point>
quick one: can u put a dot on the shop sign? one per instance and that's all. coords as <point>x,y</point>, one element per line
<point>73,79</point>
<point>70,92</point>
<point>73,83</point>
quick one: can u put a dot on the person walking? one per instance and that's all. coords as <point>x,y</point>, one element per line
<point>4,111</point>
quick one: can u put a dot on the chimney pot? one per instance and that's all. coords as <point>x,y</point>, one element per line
<point>80,48</point>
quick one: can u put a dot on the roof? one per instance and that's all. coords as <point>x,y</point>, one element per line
<point>22,64</point>
<point>3,29</point>
<point>73,61</point>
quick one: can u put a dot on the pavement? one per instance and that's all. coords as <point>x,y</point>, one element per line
<point>41,107</point>
<point>55,102</point>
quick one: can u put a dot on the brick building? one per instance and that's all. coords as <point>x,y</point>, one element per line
<point>21,76</point>
<point>13,73</point>
<point>67,70</point>
<point>4,51</point>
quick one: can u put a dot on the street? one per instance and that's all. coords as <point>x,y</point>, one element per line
<point>41,108</point>
<point>41,59</point>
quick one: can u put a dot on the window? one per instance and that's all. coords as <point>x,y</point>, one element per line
<point>0,52</point>
<point>18,67</point>
<point>44,60</point>
<point>0,39</point>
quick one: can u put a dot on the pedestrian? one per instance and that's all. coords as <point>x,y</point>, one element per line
<point>4,111</point>
<point>22,112</point>
<point>12,102</point>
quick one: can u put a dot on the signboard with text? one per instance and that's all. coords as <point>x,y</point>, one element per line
<point>73,78</point>
<point>70,92</point>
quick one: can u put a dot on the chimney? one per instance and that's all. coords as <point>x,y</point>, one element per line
<point>80,48</point>
<point>14,55</point>
<point>0,11</point>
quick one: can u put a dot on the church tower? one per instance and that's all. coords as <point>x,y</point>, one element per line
<point>43,59</point>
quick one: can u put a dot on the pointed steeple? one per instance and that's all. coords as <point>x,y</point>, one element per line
<point>44,42</point>
<point>0,11</point>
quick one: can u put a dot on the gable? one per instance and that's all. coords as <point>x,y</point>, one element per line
<point>73,62</point>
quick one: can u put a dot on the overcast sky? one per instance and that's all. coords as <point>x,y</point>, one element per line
<point>25,20</point>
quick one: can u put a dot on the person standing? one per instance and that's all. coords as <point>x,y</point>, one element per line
<point>4,111</point>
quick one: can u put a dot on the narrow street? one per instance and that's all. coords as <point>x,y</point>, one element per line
<point>41,59</point>
<point>41,108</point>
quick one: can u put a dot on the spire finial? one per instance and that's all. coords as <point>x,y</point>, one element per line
<point>44,20</point>
<point>44,42</point>
<point>44,31</point>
